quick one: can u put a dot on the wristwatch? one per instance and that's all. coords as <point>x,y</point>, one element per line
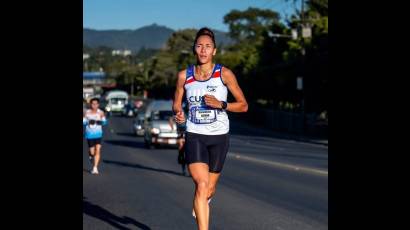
<point>224,105</point>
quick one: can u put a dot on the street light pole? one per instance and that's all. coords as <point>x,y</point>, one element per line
<point>303,51</point>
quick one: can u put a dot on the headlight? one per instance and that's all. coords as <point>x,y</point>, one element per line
<point>155,131</point>
<point>107,109</point>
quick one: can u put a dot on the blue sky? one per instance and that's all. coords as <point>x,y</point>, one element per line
<point>175,14</point>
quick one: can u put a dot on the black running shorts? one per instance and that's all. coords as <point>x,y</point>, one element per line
<point>93,142</point>
<point>209,149</point>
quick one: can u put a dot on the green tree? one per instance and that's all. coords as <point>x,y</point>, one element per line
<point>250,24</point>
<point>162,68</point>
<point>316,55</point>
<point>256,51</point>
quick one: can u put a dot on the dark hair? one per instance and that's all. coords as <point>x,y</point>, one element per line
<point>204,31</point>
<point>95,99</point>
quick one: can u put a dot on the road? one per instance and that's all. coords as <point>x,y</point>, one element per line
<point>266,183</point>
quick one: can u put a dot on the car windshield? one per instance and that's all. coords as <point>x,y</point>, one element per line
<point>118,101</point>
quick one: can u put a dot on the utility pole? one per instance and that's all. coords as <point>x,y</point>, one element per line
<point>302,104</point>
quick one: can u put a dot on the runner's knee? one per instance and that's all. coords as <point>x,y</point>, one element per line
<point>202,187</point>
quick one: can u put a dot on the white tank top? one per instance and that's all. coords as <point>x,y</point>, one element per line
<point>95,130</point>
<point>201,118</point>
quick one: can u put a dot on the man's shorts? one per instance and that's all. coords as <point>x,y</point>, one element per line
<point>93,142</point>
<point>209,149</point>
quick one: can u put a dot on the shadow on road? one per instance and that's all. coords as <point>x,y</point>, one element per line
<point>125,164</point>
<point>132,144</point>
<point>106,216</point>
<point>135,144</point>
<point>127,134</point>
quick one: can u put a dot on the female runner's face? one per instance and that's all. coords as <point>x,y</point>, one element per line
<point>204,49</point>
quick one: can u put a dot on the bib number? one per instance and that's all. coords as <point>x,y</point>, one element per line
<point>203,115</point>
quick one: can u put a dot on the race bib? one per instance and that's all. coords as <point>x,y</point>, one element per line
<point>201,115</point>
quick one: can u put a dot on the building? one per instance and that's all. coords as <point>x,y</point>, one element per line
<point>121,53</point>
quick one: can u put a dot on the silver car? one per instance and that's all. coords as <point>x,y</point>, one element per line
<point>160,129</point>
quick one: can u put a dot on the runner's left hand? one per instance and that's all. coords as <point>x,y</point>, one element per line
<point>211,101</point>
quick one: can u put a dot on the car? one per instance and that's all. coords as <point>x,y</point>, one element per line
<point>114,101</point>
<point>160,129</point>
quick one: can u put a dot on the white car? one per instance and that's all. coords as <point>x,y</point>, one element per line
<point>160,129</point>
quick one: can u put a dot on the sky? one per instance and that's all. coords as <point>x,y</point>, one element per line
<point>175,14</point>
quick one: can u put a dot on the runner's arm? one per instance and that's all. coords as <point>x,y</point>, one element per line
<point>179,92</point>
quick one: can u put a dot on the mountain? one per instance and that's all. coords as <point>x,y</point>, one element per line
<point>153,36</point>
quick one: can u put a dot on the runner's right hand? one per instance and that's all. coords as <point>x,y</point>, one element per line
<point>180,117</point>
